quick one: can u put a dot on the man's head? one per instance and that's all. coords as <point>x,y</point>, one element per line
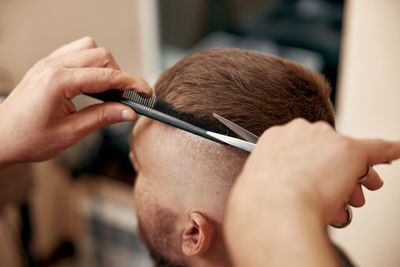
<point>183,180</point>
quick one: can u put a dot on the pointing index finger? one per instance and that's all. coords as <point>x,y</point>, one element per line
<point>381,151</point>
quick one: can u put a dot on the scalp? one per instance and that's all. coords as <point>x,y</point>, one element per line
<point>196,152</point>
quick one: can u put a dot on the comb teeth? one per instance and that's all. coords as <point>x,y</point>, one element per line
<point>152,103</point>
<point>140,98</point>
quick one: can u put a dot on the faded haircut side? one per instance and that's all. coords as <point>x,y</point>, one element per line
<point>253,90</point>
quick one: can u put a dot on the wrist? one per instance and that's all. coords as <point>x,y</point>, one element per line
<point>5,150</point>
<point>282,220</point>
<point>292,207</point>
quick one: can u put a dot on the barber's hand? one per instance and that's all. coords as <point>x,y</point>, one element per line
<point>293,184</point>
<point>317,165</point>
<point>38,120</point>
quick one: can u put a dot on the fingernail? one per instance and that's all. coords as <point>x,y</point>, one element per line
<point>128,115</point>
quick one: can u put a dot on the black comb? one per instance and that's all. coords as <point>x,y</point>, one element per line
<point>162,111</point>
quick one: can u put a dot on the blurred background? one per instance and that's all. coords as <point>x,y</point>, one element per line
<point>77,210</point>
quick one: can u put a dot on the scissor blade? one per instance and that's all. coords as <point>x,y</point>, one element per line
<point>246,135</point>
<point>244,145</point>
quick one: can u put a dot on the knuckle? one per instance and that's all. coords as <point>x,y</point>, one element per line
<point>273,129</point>
<point>53,74</point>
<point>67,134</point>
<point>105,55</point>
<point>89,42</point>
<point>136,84</point>
<point>299,121</point>
<point>68,130</point>
<point>390,149</point>
<point>266,133</point>
<point>104,52</point>
<point>270,133</point>
<point>387,146</point>
<point>322,126</point>
<point>112,74</point>
<point>139,83</point>
<point>43,63</point>
<point>102,118</point>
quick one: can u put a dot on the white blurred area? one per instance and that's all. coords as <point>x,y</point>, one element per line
<point>369,107</point>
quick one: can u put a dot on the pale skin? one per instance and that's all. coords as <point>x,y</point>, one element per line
<point>38,118</point>
<point>317,168</point>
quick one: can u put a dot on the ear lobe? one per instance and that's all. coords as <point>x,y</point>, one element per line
<point>197,236</point>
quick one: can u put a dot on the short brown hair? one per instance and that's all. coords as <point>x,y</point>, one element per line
<point>252,89</point>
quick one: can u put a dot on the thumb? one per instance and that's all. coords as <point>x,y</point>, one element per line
<point>94,117</point>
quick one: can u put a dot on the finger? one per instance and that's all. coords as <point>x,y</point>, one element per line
<point>94,80</point>
<point>94,57</point>
<point>92,118</point>
<point>380,151</point>
<point>80,44</point>
<point>356,198</point>
<point>373,181</point>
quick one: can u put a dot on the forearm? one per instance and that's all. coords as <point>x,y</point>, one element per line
<point>282,233</point>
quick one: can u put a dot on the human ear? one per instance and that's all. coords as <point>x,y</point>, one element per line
<point>197,235</point>
<point>134,161</point>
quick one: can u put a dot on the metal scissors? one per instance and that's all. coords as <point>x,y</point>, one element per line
<point>250,139</point>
